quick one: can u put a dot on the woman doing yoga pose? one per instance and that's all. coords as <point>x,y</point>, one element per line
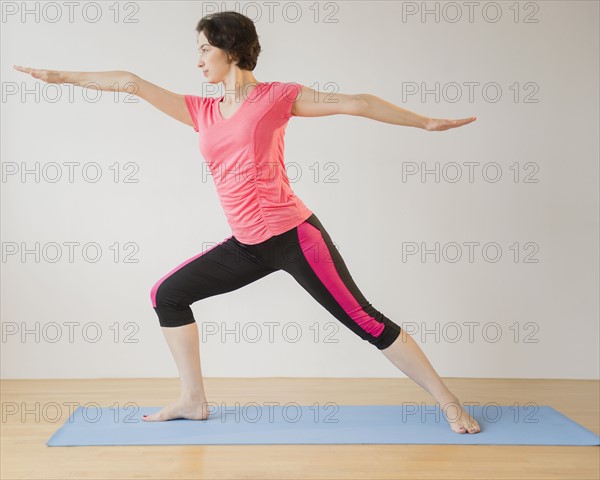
<point>241,139</point>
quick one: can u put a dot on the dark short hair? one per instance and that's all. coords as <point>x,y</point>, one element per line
<point>235,33</point>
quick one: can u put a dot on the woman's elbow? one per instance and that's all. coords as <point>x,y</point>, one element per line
<point>360,104</point>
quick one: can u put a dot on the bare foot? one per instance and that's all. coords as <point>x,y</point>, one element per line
<point>182,408</point>
<point>459,419</point>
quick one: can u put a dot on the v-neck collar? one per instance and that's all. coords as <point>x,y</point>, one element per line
<point>220,115</point>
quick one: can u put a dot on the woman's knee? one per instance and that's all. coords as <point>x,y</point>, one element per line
<point>154,292</point>
<point>163,294</point>
<point>172,309</point>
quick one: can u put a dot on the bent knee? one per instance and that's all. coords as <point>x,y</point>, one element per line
<point>163,295</point>
<point>154,292</point>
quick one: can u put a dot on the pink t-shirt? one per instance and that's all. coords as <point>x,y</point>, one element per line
<point>244,153</point>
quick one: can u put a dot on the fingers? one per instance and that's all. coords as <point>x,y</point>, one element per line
<point>24,69</point>
<point>463,121</point>
<point>35,73</point>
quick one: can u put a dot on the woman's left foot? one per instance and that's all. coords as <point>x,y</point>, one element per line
<point>459,419</point>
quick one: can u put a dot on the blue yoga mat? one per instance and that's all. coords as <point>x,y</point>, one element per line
<point>327,424</point>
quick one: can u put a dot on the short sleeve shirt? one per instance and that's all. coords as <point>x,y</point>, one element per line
<point>245,155</point>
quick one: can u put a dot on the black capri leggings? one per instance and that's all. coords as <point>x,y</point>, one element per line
<point>306,252</point>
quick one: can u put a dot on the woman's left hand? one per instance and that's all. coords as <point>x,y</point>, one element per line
<point>437,124</point>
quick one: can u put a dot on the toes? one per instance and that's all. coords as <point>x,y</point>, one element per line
<point>151,418</point>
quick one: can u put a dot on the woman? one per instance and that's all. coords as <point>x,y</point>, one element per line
<point>241,139</point>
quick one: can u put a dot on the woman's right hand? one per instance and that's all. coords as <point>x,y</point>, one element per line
<point>48,76</point>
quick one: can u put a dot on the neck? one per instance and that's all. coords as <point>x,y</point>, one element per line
<point>240,85</point>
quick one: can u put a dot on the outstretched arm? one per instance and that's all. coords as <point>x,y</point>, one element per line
<point>312,103</point>
<point>378,109</point>
<point>168,102</point>
<point>114,81</point>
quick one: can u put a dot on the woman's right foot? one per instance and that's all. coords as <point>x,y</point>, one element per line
<point>182,408</point>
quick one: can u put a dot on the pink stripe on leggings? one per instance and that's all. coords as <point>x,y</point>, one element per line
<point>322,264</point>
<point>157,284</point>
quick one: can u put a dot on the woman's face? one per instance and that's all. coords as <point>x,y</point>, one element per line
<point>212,61</point>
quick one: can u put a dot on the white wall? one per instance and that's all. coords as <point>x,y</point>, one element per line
<point>543,124</point>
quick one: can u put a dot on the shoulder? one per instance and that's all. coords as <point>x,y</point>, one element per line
<point>287,92</point>
<point>288,88</point>
<point>199,99</point>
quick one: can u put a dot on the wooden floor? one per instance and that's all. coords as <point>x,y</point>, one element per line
<point>23,452</point>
